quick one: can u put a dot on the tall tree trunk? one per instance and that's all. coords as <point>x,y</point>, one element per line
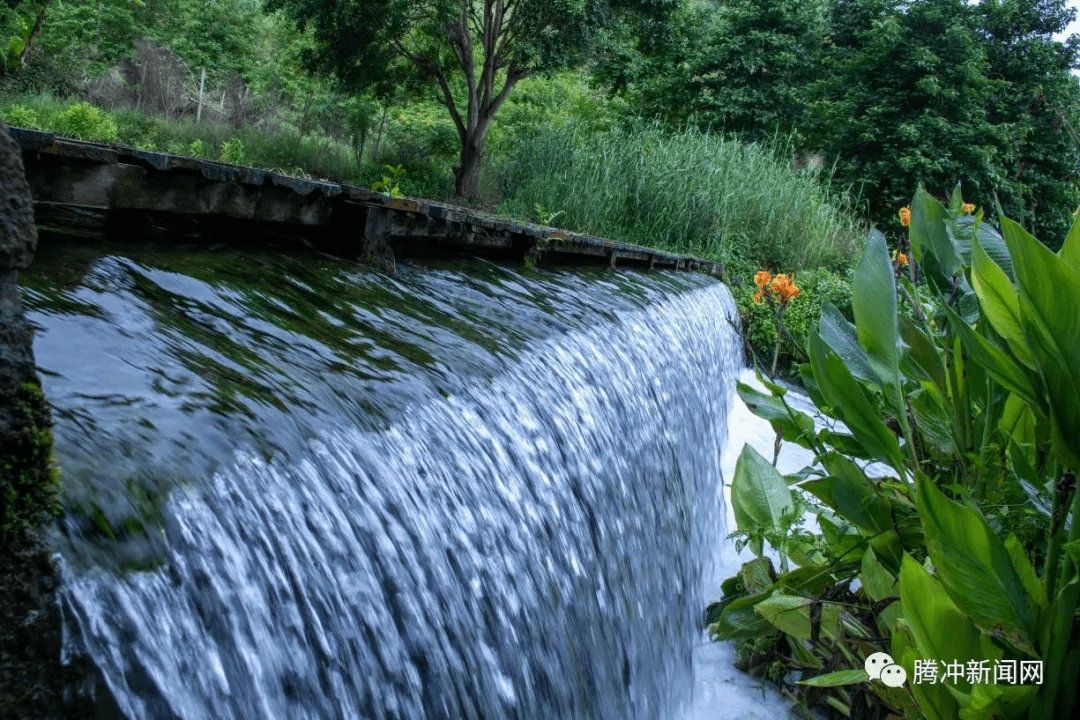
<point>467,173</point>
<point>34,32</point>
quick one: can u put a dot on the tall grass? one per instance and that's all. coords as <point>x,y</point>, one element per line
<point>282,149</point>
<point>688,192</point>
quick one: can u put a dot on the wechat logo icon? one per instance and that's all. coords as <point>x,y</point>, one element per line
<point>880,666</point>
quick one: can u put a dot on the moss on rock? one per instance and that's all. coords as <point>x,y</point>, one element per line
<point>29,478</point>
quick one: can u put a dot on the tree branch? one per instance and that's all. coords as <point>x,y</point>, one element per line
<point>429,66</point>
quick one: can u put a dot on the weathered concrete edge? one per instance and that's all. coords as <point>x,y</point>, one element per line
<point>408,216</point>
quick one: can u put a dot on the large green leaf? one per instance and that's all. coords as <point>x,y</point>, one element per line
<point>1049,294</point>
<point>921,357</point>
<point>975,568</point>
<point>933,421</point>
<point>928,234</point>
<point>873,302</point>
<point>965,233</point>
<point>836,678</point>
<point>790,614</point>
<point>1070,249</point>
<point>879,584</point>
<point>796,426</point>
<point>841,336</point>
<point>738,620</point>
<point>996,362</point>
<point>848,491</point>
<point>759,495</point>
<point>843,539</point>
<point>849,400</point>
<point>934,699</point>
<point>1000,303</point>
<point>941,630</point>
<point>1027,573</point>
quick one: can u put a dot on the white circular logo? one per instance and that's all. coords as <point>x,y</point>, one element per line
<point>893,675</point>
<point>876,663</point>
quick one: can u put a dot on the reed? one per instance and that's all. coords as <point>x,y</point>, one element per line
<point>687,191</point>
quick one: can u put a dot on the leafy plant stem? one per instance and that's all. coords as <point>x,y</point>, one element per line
<point>980,486</point>
<point>838,706</point>
<point>1056,534</point>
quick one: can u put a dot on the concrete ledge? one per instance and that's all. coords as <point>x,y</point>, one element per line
<point>76,184</point>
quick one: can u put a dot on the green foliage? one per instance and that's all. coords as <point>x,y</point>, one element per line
<point>85,122</point>
<point>29,478</point>
<point>545,216</point>
<point>818,287</point>
<point>232,152</point>
<point>942,91</point>
<point>197,148</point>
<point>89,36</point>
<point>21,23</point>
<point>385,44</point>
<point>976,379</point>
<point>744,67</point>
<point>389,183</point>
<point>220,36</point>
<point>21,116</point>
<point>688,192</point>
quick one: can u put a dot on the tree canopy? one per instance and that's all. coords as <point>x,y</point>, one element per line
<point>473,51</point>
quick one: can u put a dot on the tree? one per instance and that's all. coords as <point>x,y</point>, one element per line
<point>941,91</point>
<point>25,20</point>
<point>474,51</point>
<point>741,66</point>
<point>1038,92</point>
<point>902,102</point>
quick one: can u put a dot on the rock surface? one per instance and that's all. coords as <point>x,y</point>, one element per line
<point>33,683</point>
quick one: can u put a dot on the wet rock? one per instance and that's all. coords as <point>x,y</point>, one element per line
<point>33,682</point>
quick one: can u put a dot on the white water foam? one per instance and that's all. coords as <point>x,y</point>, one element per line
<point>721,691</point>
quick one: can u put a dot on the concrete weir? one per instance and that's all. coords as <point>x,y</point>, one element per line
<point>90,188</point>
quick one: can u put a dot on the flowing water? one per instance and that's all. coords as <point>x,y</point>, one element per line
<point>299,489</point>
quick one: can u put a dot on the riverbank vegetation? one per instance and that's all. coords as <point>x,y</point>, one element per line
<point>756,134</point>
<point>946,506</point>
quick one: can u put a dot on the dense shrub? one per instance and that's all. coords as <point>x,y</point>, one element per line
<point>232,152</point>
<point>22,116</point>
<point>85,122</point>
<point>802,314</point>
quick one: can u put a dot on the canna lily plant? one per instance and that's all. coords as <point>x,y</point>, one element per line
<point>778,292</point>
<point>947,500</point>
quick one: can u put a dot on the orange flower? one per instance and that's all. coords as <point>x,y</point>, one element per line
<point>762,278</point>
<point>901,258</point>
<point>784,286</point>
<point>968,208</point>
<point>905,216</point>
<point>758,295</point>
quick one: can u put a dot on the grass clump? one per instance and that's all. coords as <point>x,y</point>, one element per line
<point>687,192</point>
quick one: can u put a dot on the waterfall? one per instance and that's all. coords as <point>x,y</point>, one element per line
<point>465,492</point>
